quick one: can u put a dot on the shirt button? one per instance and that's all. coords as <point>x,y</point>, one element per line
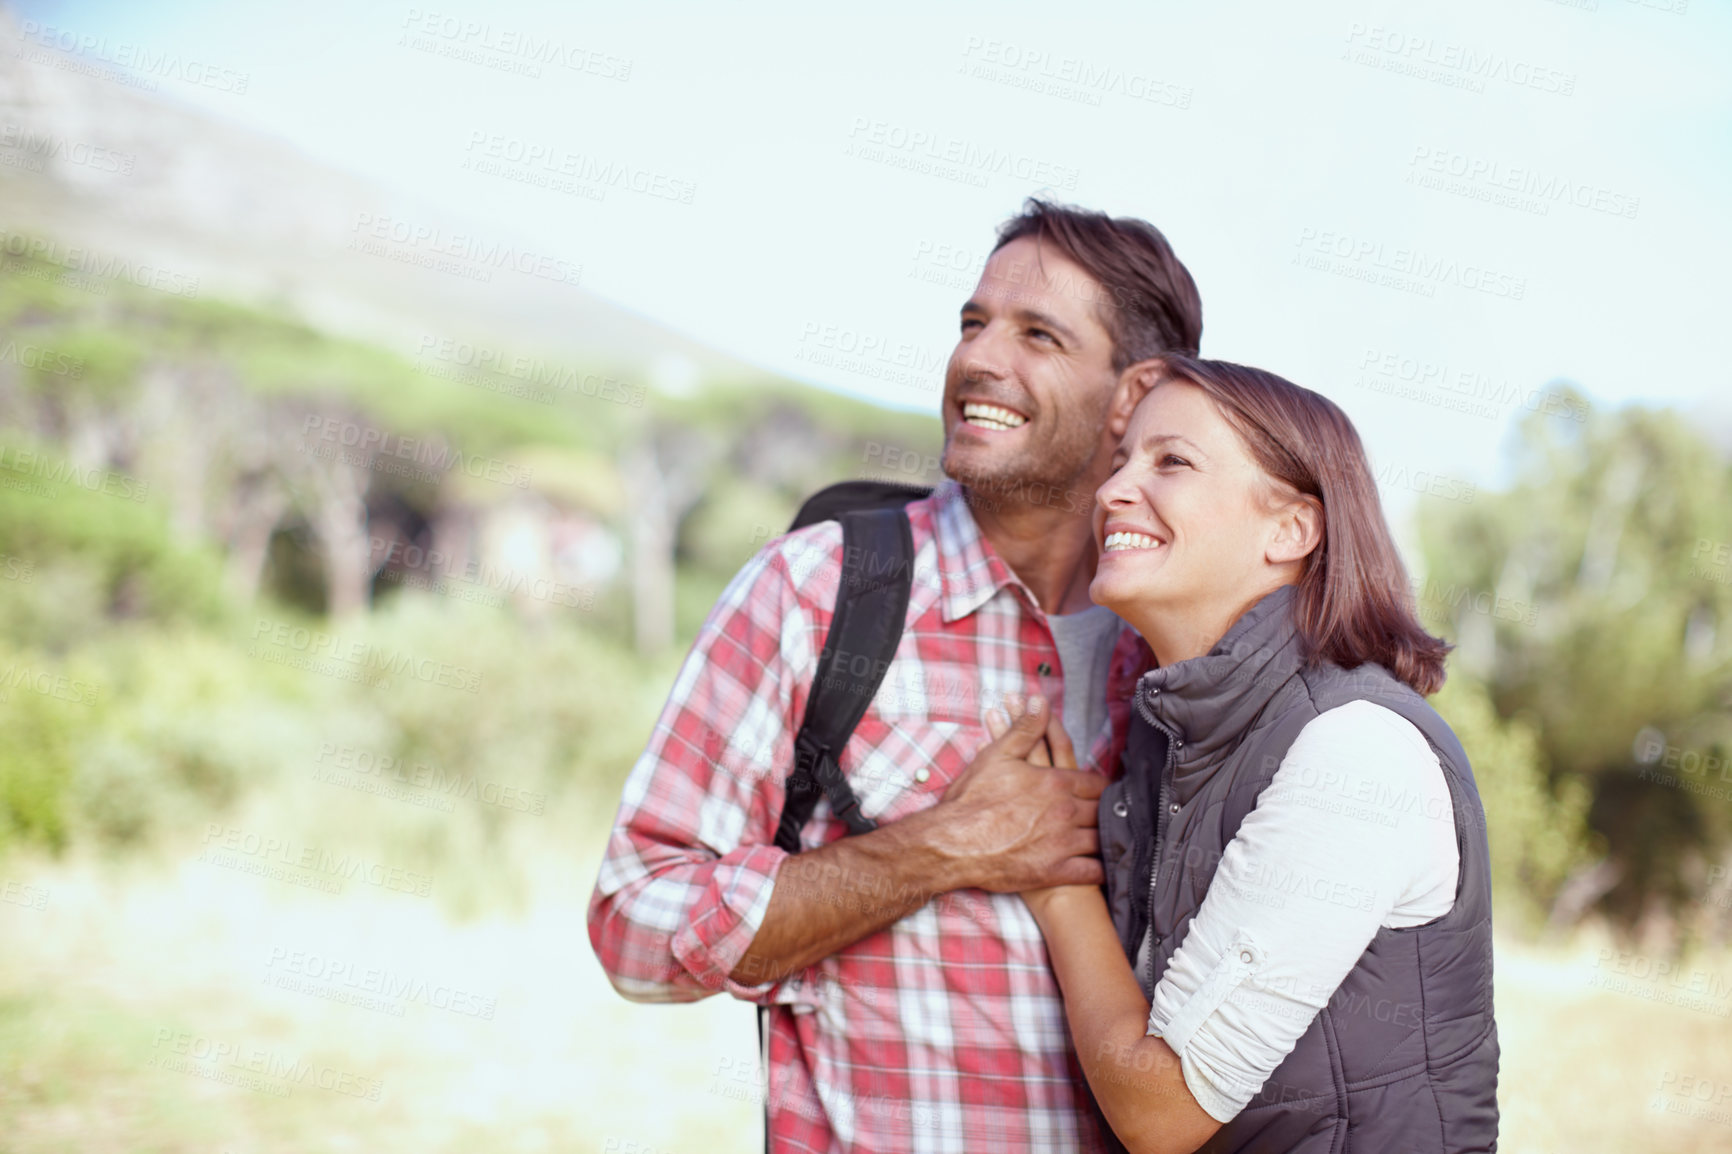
<point>1121,807</point>
<point>1246,956</point>
<point>922,774</point>
<point>1043,669</point>
<point>1173,808</point>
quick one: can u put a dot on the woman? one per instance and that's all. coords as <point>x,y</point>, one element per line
<point>1294,948</point>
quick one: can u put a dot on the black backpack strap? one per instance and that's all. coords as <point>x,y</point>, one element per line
<point>871,605</point>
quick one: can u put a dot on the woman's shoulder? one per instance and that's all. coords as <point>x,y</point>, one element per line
<point>1375,737</point>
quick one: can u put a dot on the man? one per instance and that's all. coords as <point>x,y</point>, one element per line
<point>898,1022</point>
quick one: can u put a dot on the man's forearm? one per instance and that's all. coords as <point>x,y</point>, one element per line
<point>829,898</point>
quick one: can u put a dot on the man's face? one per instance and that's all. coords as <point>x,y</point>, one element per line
<point>1029,384</point>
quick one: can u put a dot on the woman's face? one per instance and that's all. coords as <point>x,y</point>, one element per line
<point>1188,523</point>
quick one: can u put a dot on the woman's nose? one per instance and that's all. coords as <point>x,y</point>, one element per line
<point>1114,494</point>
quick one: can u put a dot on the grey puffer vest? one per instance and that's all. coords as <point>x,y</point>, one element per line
<point>1404,1056</point>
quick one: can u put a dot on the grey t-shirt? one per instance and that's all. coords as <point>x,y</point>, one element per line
<point>1085,650</point>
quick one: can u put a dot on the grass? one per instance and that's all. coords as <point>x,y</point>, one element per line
<point>124,965</point>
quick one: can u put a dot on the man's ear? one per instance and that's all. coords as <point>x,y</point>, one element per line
<point>1298,530</point>
<point>1134,384</point>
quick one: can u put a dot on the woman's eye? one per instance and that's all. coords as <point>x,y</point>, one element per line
<point>1173,460</point>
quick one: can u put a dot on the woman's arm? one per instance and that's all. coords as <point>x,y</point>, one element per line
<point>1135,1078</point>
<point>1289,912</point>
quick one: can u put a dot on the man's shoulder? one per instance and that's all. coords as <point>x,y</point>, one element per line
<point>812,558</point>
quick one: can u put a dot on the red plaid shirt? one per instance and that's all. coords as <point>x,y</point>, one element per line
<point>943,1032</point>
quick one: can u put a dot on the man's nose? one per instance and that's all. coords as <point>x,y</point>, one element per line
<point>982,358</point>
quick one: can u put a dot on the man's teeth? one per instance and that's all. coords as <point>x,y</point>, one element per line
<point>1116,541</point>
<point>992,417</point>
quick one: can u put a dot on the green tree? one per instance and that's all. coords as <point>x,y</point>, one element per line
<point>1593,598</point>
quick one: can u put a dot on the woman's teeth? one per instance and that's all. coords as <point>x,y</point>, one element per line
<point>1117,541</point>
<point>992,417</point>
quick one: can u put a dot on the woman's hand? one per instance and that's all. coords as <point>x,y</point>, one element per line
<point>1057,751</point>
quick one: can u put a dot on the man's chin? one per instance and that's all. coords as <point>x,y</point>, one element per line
<point>980,467</point>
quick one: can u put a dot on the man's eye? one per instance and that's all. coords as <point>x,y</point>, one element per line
<point>1042,334</point>
<point>970,323</point>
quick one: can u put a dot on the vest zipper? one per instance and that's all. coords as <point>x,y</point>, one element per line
<point>1161,815</point>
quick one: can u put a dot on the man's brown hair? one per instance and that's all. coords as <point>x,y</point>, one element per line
<point>1147,299</point>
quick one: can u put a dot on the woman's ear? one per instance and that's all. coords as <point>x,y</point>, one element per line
<point>1298,530</point>
<point>1135,383</point>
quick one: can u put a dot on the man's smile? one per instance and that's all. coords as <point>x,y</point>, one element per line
<point>994,418</point>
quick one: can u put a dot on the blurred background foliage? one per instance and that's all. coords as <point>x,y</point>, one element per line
<point>176,489</point>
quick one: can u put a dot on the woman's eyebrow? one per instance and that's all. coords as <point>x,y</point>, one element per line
<point>1156,440</point>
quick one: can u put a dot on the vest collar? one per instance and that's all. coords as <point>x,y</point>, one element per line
<point>1210,701</point>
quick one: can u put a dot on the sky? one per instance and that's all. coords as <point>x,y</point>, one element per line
<point>1428,211</point>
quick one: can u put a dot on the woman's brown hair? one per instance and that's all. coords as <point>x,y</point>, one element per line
<point>1353,603</point>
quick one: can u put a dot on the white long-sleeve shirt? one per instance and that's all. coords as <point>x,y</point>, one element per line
<point>1354,833</point>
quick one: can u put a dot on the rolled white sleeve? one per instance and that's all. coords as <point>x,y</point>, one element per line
<point>1354,833</point>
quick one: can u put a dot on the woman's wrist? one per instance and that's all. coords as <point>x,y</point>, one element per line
<point>1058,901</point>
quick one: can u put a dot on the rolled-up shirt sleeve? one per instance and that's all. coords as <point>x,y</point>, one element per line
<point>1354,832</point>
<point>690,864</point>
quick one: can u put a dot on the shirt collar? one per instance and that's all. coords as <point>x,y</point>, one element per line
<point>970,571</point>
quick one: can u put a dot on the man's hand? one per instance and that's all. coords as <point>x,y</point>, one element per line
<point>1005,824</point>
<point>1014,825</point>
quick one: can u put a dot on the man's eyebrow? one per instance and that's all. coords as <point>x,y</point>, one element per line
<point>1046,321</point>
